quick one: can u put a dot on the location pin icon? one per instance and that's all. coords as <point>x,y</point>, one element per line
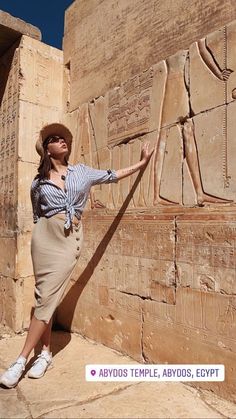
<point>93,372</point>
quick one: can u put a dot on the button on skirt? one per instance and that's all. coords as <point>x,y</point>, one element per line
<point>55,253</point>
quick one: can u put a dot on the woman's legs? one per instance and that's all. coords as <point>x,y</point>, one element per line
<point>46,337</point>
<point>37,330</point>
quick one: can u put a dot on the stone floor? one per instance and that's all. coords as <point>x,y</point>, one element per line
<point>64,393</point>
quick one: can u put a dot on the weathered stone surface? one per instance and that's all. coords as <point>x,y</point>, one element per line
<point>150,264</point>
<point>8,144</point>
<point>65,393</point>
<point>42,65</point>
<point>214,148</point>
<point>201,76</point>
<point>24,109</point>
<point>199,321</point>
<point>175,101</point>
<point>34,116</point>
<point>209,57</point>
<point>11,303</point>
<point>24,266</point>
<point>7,256</point>
<point>154,98</point>
<point>11,28</point>
<point>139,32</point>
<point>116,273</point>
<point>206,256</point>
<point>40,93</point>
<point>171,178</point>
<point>18,408</point>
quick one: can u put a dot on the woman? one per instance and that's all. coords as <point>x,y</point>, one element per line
<point>58,194</point>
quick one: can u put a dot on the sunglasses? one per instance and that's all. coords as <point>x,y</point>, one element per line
<point>53,139</point>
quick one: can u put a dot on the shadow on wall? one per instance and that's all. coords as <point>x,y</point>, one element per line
<point>71,298</point>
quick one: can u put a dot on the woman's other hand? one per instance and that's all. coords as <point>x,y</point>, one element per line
<point>145,157</point>
<point>146,153</point>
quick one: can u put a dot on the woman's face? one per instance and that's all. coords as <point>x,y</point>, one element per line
<point>57,146</point>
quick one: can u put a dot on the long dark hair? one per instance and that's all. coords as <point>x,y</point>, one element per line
<point>45,164</point>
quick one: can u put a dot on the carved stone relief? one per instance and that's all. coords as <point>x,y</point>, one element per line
<point>192,164</point>
<point>8,138</point>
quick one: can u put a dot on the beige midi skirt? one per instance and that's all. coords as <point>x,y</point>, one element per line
<point>55,253</point>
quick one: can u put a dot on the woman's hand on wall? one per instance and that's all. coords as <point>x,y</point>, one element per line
<point>146,153</point>
<point>145,157</point>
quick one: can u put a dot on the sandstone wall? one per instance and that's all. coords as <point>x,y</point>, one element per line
<point>31,96</point>
<point>107,41</point>
<point>156,278</point>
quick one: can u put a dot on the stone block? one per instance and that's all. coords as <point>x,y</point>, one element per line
<point>160,74</point>
<point>147,180</point>
<point>33,118</point>
<point>11,29</point>
<point>213,145</point>
<point>171,177</point>
<point>201,75</point>
<point>104,322</point>
<point>97,116</point>
<point>175,104</point>
<point>9,117</point>
<point>124,186</point>
<point>201,334</point>
<point>72,121</point>
<point>24,266</point>
<point>128,113</point>
<point>11,308</point>
<point>162,293</point>
<point>205,255</point>
<point>139,36</point>
<point>26,173</point>
<point>188,192</point>
<point>8,256</point>
<point>43,66</point>
<point>119,272</point>
<point>102,160</point>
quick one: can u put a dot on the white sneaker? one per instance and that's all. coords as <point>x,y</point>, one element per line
<point>12,375</point>
<point>40,365</point>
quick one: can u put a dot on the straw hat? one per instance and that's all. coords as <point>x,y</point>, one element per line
<point>53,129</point>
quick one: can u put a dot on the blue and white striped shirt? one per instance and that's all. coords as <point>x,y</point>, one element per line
<point>48,199</point>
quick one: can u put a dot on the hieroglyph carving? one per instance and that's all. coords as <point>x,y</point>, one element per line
<point>129,108</point>
<point>8,129</point>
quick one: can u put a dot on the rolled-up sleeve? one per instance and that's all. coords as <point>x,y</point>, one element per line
<point>98,176</point>
<point>34,195</point>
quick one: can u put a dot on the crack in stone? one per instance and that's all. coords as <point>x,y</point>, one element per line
<point>175,254</point>
<point>26,161</point>
<point>145,359</point>
<point>22,398</point>
<point>91,399</point>
<point>127,139</point>
<point>136,295</point>
<point>144,298</point>
<point>202,397</point>
<point>91,125</point>
<point>52,108</point>
<point>187,83</point>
